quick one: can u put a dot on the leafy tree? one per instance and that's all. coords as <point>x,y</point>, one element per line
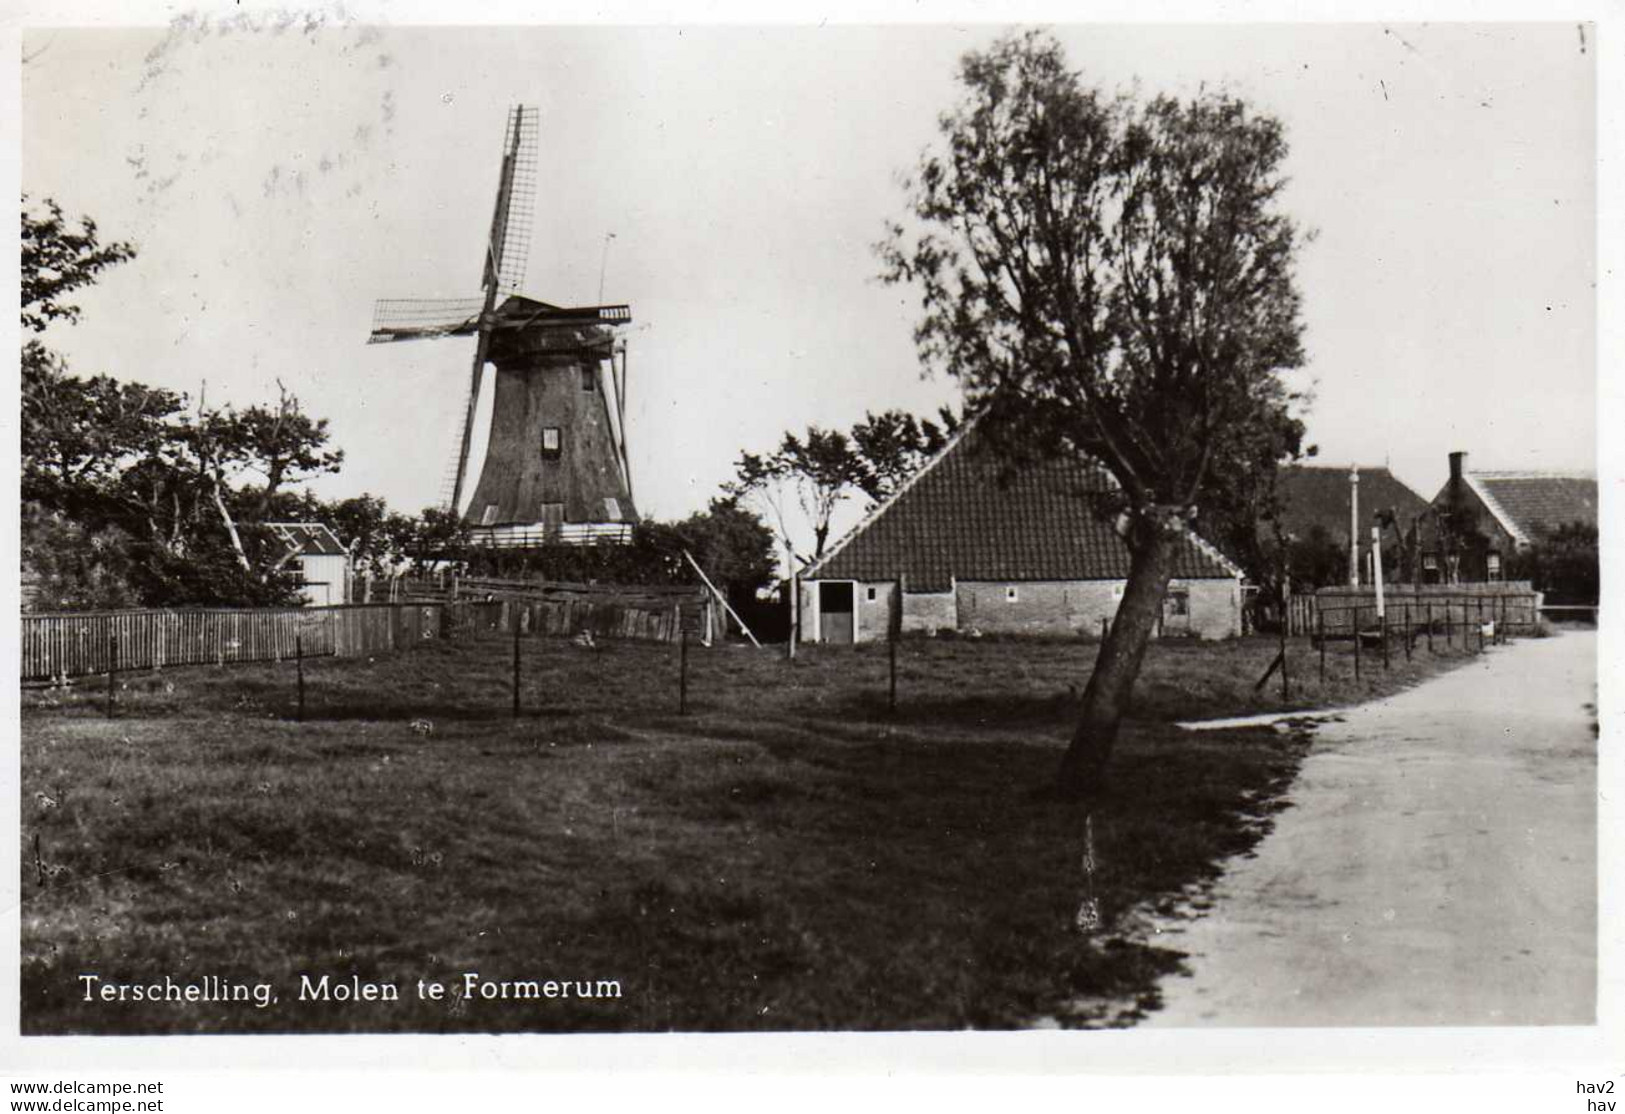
<point>733,545</point>
<point>1110,278</point>
<point>816,471</point>
<point>72,568</point>
<point>1563,563</point>
<point>279,444</point>
<point>79,435</point>
<point>177,493</point>
<point>375,536</point>
<point>1243,517</point>
<point>1318,560</point>
<point>892,446</point>
<point>435,534</point>
<point>57,260</point>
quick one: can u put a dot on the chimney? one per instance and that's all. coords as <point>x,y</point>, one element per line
<point>1458,465</point>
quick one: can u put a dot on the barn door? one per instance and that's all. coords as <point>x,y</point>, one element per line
<point>835,612</point>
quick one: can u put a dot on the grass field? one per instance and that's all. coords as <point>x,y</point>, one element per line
<point>788,855</point>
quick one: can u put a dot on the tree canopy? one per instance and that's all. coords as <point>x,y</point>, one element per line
<point>130,493</point>
<point>1110,277</point>
<point>816,471</point>
<point>57,260</point>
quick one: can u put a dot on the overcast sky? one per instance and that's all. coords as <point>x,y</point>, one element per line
<point>278,177</point>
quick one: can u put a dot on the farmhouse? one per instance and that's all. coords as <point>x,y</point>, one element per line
<point>1315,501</point>
<point>1321,503</point>
<point>322,562</point>
<point>1484,517</point>
<point>961,547</point>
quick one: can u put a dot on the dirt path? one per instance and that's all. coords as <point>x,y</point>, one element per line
<point>1438,866</point>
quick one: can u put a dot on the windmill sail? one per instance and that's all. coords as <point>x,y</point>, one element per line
<point>515,217</point>
<point>506,255</point>
<point>424,318</point>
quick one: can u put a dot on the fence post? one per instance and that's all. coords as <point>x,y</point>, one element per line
<point>795,619</point>
<point>299,668</point>
<point>513,613</point>
<point>1479,611</point>
<point>1407,632</point>
<point>1428,617</point>
<point>891,646</point>
<point>682,672</point>
<point>1358,639</point>
<point>1320,630</point>
<point>112,670</point>
<point>1383,628</point>
<point>1286,688</point>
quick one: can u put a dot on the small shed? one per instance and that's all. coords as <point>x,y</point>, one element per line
<point>322,561</point>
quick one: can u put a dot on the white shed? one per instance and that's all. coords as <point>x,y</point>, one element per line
<point>322,560</point>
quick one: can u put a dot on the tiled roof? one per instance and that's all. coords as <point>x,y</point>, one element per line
<point>1317,495</point>
<point>308,539</point>
<point>955,519</point>
<point>1530,503</point>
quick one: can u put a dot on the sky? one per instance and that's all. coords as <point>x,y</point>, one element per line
<point>279,173</point>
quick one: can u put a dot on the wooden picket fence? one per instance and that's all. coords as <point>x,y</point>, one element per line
<point>658,613</point>
<point>72,644</point>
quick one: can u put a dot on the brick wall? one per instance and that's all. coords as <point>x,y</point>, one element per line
<point>1040,607</point>
<point>930,611</point>
<point>1215,607</point>
<point>874,615</point>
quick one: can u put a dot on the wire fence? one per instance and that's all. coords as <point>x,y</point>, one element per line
<point>1518,597</point>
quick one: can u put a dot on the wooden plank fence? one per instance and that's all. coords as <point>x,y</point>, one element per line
<point>1514,612</point>
<point>73,644</point>
<point>70,644</point>
<point>658,613</point>
<point>653,612</point>
<point>1513,603</point>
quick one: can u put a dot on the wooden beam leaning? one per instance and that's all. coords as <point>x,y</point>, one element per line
<point>723,600</point>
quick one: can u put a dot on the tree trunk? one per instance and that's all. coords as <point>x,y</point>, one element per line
<point>1106,699</point>
<point>231,528</point>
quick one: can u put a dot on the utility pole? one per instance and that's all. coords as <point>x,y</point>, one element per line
<point>1376,568</point>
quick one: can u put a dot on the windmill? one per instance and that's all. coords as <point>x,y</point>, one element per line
<point>556,465</point>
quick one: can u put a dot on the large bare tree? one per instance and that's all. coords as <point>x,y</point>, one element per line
<point>1110,277</point>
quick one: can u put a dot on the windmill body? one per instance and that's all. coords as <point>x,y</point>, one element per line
<point>553,457</point>
<point>556,466</point>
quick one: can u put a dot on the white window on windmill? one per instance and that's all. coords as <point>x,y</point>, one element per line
<point>1011,595</point>
<point>490,515</point>
<point>552,441</point>
<point>872,594</point>
<point>612,509</point>
<point>1492,567</point>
